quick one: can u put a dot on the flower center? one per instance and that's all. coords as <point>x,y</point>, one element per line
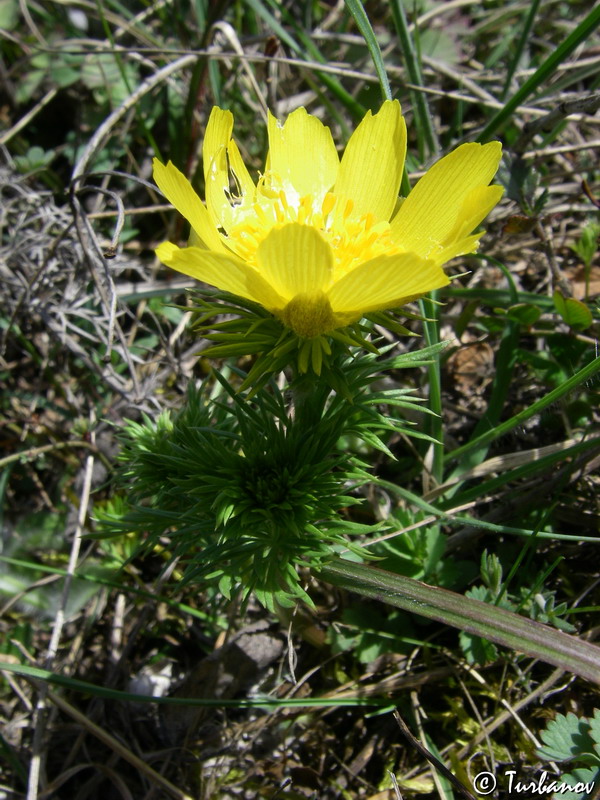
<point>353,239</point>
<point>309,314</point>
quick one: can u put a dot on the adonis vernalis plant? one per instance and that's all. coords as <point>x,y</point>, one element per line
<point>250,491</point>
<point>319,242</point>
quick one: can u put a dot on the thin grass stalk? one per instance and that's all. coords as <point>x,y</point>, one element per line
<point>364,26</point>
<point>464,520</point>
<point>556,394</point>
<point>121,67</point>
<point>507,476</point>
<point>353,106</point>
<point>504,367</point>
<point>425,133</point>
<point>355,7</point>
<point>36,674</point>
<point>425,129</point>
<point>562,52</point>
<point>523,39</point>
<point>434,424</point>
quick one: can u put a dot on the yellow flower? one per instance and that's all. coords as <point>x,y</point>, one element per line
<point>320,242</point>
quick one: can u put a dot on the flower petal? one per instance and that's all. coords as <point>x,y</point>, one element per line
<point>386,282</point>
<point>221,161</point>
<point>224,272</point>
<point>216,136</point>
<point>372,164</point>
<point>476,206</point>
<point>242,176</point>
<point>435,209</point>
<point>178,191</point>
<point>295,259</point>
<point>302,154</point>
<point>216,168</point>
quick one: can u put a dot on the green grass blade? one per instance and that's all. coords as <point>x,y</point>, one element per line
<point>562,52</point>
<point>461,520</point>
<point>355,7</point>
<point>556,394</point>
<point>434,424</point>
<point>310,49</point>
<point>75,685</point>
<point>467,614</point>
<point>116,583</point>
<point>523,39</point>
<point>507,476</point>
<point>504,365</point>
<point>425,129</point>
<point>364,26</point>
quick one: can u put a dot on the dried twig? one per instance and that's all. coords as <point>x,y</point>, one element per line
<point>40,709</point>
<point>580,105</point>
<point>431,758</point>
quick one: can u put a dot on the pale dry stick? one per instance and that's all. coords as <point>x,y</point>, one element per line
<point>10,679</point>
<point>494,104</point>
<point>33,452</point>
<point>178,330</point>
<point>229,33</point>
<point>479,718</point>
<point>335,68</point>
<point>564,110</point>
<point>30,23</point>
<point>103,132</point>
<point>341,69</point>
<point>438,10</point>
<point>459,78</point>
<point>566,66</point>
<point>109,16</point>
<point>594,144</point>
<point>139,625</point>
<point>548,247</point>
<point>422,749</point>
<point>416,525</point>
<point>116,746</point>
<point>392,684</point>
<point>332,17</point>
<point>502,464</point>
<point>395,786</point>
<point>26,118</point>
<point>140,17</point>
<point>511,711</point>
<point>119,213</point>
<point>157,209</point>
<point>19,595</point>
<point>109,301</point>
<point>117,628</point>
<point>19,41</point>
<point>85,46</point>
<point>41,706</point>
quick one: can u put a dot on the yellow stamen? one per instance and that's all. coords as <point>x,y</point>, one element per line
<point>328,203</point>
<point>260,213</point>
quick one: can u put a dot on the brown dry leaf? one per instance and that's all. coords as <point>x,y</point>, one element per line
<point>471,367</point>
